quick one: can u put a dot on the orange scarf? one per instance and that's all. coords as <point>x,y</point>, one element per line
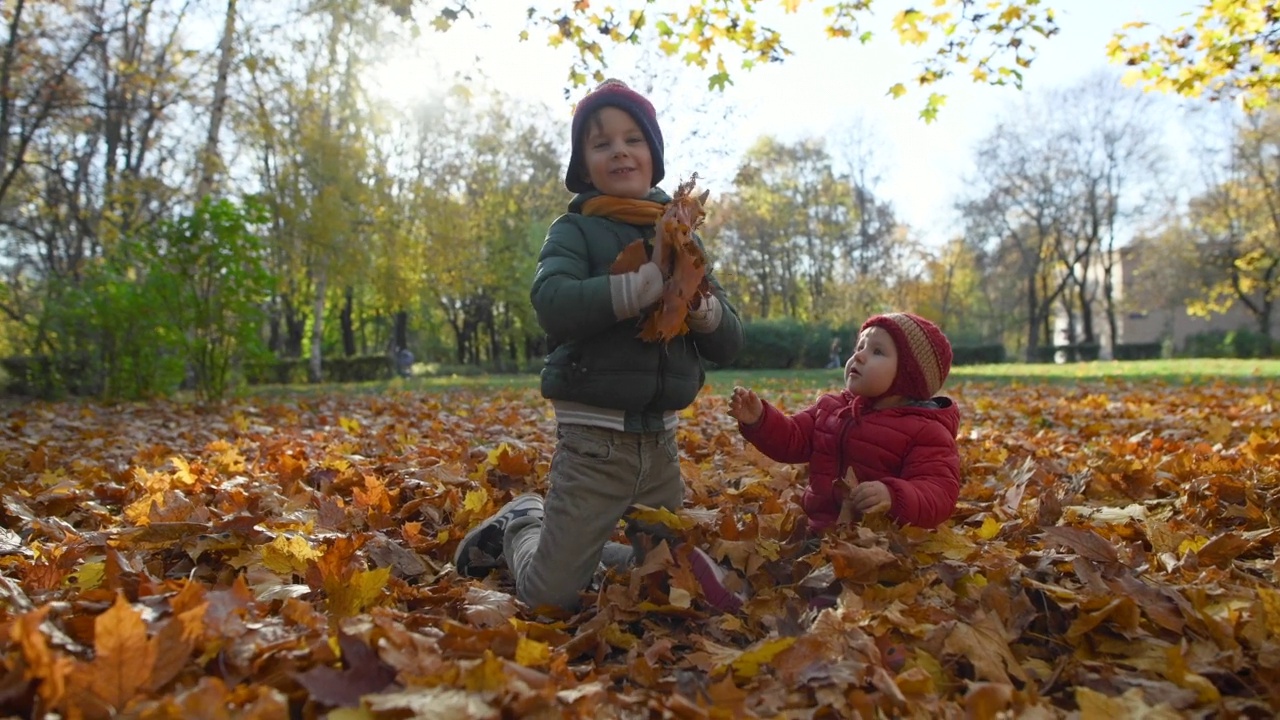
<point>627,210</point>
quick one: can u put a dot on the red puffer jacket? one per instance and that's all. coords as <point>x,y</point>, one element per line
<point>911,449</point>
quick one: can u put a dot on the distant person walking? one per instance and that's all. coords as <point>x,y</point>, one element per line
<point>837,355</point>
<point>404,362</point>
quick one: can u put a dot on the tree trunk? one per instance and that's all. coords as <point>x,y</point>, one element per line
<point>295,324</point>
<point>315,371</point>
<point>274,339</point>
<point>348,327</point>
<point>400,329</point>
<point>210,162</point>
<point>1033,330</point>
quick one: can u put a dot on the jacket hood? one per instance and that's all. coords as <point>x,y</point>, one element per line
<point>940,408</point>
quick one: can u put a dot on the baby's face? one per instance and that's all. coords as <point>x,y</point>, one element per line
<point>874,365</point>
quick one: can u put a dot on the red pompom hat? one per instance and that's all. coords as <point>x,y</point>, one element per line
<point>924,354</point>
<point>613,93</point>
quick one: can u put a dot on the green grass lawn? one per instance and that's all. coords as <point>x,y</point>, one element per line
<point>1179,371</point>
<point>1190,370</point>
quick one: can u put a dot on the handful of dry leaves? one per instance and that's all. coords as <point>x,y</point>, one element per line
<point>683,265</point>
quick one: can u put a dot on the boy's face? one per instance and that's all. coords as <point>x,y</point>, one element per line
<point>617,155</point>
<point>874,365</point>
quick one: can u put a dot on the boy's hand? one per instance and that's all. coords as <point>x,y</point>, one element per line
<point>745,406</point>
<point>870,497</point>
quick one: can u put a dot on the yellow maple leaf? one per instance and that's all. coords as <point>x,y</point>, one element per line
<point>1094,704</point>
<point>139,511</point>
<point>1269,599</point>
<point>747,665</point>
<point>487,674</point>
<point>990,528</point>
<point>618,637</point>
<point>531,653</point>
<point>356,594</point>
<point>1177,671</point>
<point>226,457</point>
<point>660,516</point>
<point>182,476</point>
<point>288,554</point>
<point>89,575</point>
<point>476,501</point>
<point>948,543</point>
<point>1192,544</point>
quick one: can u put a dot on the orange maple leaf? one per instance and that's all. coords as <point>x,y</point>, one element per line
<point>684,268</point>
<point>123,658</point>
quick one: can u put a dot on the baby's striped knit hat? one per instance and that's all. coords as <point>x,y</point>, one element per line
<point>924,354</point>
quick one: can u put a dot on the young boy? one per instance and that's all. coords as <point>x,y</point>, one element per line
<point>887,427</point>
<point>616,398</point>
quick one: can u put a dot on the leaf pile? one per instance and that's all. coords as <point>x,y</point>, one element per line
<point>684,265</point>
<point>1114,555</point>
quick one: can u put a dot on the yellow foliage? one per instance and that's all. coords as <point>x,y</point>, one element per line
<point>289,554</point>
<point>747,665</point>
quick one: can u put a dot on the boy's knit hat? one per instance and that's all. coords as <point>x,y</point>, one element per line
<point>924,354</point>
<point>615,93</point>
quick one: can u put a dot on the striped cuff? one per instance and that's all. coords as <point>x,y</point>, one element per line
<point>707,317</point>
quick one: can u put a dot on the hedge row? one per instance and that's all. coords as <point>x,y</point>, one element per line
<point>39,376</point>
<point>774,344</point>
<point>296,371</point>
<point>43,377</point>
<point>770,344</point>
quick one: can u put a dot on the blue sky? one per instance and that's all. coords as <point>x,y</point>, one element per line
<point>828,88</point>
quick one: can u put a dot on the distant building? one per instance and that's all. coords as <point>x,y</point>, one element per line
<point>1149,325</point>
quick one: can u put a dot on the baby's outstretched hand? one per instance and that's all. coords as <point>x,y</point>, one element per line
<point>870,497</point>
<point>745,406</point>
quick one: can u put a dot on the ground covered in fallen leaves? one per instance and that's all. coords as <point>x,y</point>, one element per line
<point>1113,555</point>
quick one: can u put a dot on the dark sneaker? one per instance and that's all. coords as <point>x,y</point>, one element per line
<point>711,576</point>
<point>480,549</point>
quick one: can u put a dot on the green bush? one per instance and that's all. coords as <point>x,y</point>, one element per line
<point>358,368</point>
<point>978,355</point>
<point>296,371</point>
<point>42,377</point>
<point>1207,344</point>
<point>1082,352</point>
<point>1138,351</point>
<point>1240,343</point>
<point>1247,344</point>
<point>285,371</point>
<point>1042,354</point>
<point>109,323</point>
<point>780,343</point>
<point>772,344</point>
<point>209,270</point>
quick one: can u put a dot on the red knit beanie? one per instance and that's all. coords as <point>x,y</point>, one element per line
<point>613,93</point>
<point>924,354</point>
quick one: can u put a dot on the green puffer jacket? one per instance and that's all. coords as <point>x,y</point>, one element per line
<point>596,359</point>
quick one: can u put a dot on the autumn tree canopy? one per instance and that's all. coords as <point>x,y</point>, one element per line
<point>1228,49</point>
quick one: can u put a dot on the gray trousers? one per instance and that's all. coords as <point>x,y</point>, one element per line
<point>596,474</point>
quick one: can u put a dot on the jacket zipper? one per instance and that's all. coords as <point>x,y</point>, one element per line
<point>844,430</point>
